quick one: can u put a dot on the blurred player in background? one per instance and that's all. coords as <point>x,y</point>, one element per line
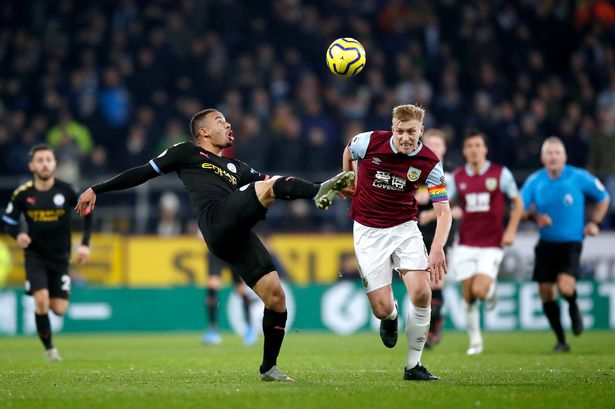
<point>46,203</point>
<point>554,198</point>
<point>481,189</point>
<point>391,166</point>
<point>215,266</point>
<point>230,198</point>
<point>435,139</point>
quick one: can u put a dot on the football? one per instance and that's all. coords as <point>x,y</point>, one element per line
<point>345,57</point>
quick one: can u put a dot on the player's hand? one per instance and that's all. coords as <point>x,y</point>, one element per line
<point>456,212</point>
<point>591,229</point>
<point>508,238</point>
<point>427,216</point>
<point>83,254</point>
<point>437,263</point>
<point>346,192</point>
<point>23,240</point>
<point>86,202</point>
<point>543,220</point>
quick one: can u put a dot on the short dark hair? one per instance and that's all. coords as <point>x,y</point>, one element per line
<point>476,133</point>
<point>196,121</point>
<point>38,147</point>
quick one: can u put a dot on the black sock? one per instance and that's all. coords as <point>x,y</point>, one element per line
<point>572,301</point>
<point>551,309</point>
<point>274,324</point>
<point>212,307</point>
<point>436,309</point>
<point>290,188</point>
<point>246,309</point>
<point>43,327</point>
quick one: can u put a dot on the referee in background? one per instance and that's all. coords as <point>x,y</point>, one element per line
<point>554,199</point>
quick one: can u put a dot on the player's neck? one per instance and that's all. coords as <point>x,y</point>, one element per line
<point>43,185</point>
<point>211,148</point>
<point>555,173</point>
<point>477,167</point>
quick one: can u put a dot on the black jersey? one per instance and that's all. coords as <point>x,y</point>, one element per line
<point>208,178</point>
<point>47,214</point>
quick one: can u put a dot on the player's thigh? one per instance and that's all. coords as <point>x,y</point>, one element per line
<point>410,252</point>
<point>546,262</point>
<point>464,262</point>
<point>37,276</point>
<point>247,255</point>
<point>59,281</point>
<point>373,250</point>
<point>566,283</point>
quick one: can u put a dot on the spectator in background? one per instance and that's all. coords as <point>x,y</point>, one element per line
<point>169,215</point>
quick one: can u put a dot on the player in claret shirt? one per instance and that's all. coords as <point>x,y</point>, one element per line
<point>390,166</point>
<point>230,198</point>
<point>481,189</point>
<point>45,202</point>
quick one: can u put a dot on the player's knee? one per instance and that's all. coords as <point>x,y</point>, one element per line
<point>276,300</point>
<point>382,308</point>
<point>58,311</point>
<point>421,296</point>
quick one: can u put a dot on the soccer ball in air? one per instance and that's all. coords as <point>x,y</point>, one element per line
<point>345,57</point>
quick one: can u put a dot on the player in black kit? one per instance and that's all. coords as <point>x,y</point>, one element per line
<point>230,198</point>
<point>46,203</point>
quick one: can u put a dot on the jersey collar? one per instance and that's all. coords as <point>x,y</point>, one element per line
<point>480,172</point>
<point>414,152</point>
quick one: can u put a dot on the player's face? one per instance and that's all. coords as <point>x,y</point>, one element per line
<point>475,150</point>
<point>43,164</point>
<point>553,156</point>
<point>406,135</point>
<point>437,145</point>
<point>219,131</point>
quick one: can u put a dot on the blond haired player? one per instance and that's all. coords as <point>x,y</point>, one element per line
<point>390,166</point>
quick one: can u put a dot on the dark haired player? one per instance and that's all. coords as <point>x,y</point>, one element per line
<point>45,201</point>
<point>230,198</point>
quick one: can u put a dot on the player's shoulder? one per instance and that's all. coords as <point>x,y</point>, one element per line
<point>64,186</point>
<point>577,172</point>
<point>381,134</point>
<point>428,154</point>
<point>458,171</point>
<point>536,176</point>
<point>186,146</point>
<point>29,185</point>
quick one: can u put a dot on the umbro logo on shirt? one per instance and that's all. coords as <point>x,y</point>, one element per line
<point>376,160</point>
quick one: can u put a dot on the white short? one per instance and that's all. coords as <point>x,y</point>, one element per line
<point>380,250</point>
<point>469,261</point>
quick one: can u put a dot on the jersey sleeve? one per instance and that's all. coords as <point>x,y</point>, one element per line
<point>169,160</point>
<point>247,174</point>
<point>451,188</point>
<point>528,191</point>
<point>508,186</point>
<point>358,145</point>
<point>592,187</point>
<point>436,184</point>
<point>13,211</point>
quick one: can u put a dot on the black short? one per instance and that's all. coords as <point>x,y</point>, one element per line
<point>45,273</point>
<point>554,258</point>
<point>228,234</point>
<point>216,265</point>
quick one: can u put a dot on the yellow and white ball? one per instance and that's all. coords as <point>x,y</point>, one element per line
<point>346,57</point>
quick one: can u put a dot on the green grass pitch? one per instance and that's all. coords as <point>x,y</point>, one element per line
<point>517,370</point>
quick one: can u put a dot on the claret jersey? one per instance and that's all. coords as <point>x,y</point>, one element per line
<point>388,179</point>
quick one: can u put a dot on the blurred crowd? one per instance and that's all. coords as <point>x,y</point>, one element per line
<point>112,83</point>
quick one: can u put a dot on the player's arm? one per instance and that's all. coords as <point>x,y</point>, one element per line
<point>11,222</point>
<point>353,152</point>
<point>596,191</point>
<point>509,187</point>
<point>167,161</point>
<point>348,164</point>
<point>528,195</point>
<point>436,185</point>
<point>83,251</point>
<point>125,180</point>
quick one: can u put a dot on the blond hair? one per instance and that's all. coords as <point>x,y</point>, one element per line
<point>552,140</point>
<point>435,133</point>
<point>408,112</point>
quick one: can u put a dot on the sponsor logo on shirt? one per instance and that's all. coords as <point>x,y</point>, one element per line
<point>31,200</point>
<point>376,160</point>
<point>413,174</point>
<point>221,172</point>
<point>384,180</point>
<point>477,202</point>
<point>568,200</point>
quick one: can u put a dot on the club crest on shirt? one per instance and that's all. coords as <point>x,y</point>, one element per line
<point>413,174</point>
<point>58,199</point>
<point>491,184</point>
<point>232,167</point>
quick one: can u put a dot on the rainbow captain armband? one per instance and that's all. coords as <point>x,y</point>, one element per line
<point>437,193</point>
